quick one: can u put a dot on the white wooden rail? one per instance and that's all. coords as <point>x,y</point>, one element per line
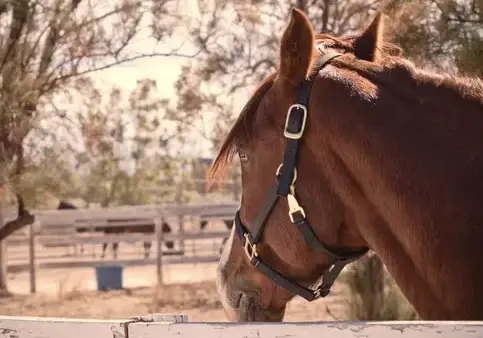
<point>177,326</point>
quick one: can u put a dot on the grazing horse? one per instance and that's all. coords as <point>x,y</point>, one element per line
<point>64,205</point>
<point>148,228</point>
<point>381,155</point>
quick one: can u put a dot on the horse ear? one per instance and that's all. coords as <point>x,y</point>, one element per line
<point>296,50</point>
<point>368,45</point>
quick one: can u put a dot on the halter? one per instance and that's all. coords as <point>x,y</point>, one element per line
<point>285,187</point>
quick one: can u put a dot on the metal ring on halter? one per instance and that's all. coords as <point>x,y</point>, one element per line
<point>279,169</point>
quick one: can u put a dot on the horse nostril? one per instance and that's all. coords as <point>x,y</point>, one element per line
<point>221,272</point>
<point>239,300</point>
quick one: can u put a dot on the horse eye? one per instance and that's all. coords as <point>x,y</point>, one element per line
<point>243,157</point>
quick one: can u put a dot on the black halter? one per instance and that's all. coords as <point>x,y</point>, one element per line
<point>294,128</point>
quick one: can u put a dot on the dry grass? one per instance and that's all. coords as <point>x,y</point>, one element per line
<point>75,303</point>
<point>363,291</point>
<point>197,300</point>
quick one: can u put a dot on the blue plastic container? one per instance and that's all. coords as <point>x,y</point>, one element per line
<point>109,277</point>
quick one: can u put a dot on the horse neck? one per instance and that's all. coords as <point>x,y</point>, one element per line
<point>410,170</point>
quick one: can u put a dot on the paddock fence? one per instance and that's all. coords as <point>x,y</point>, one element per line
<point>177,326</point>
<point>47,244</point>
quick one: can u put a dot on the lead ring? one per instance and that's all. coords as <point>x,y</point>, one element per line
<point>279,169</point>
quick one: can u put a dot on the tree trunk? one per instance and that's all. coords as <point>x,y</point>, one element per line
<point>325,16</point>
<point>301,5</point>
<point>3,268</point>
<point>18,223</point>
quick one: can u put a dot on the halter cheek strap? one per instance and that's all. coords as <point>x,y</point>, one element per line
<point>284,186</point>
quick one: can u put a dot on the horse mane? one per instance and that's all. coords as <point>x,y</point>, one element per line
<point>241,129</point>
<point>391,60</point>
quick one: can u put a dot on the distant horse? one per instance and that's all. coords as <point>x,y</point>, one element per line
<point>63,205</point>
<point>349,147</point>
<point>148,228</point>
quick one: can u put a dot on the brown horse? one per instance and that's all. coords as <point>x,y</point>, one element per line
<point>391,159</point>
<point>148,228</point>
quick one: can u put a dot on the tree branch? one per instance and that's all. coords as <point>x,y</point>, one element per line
<point>23,218</point>
<point>120,62</point>
<point>19,18</point>
<point>50,43</point>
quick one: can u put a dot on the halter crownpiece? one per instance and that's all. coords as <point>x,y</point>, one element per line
<point>285,187</point>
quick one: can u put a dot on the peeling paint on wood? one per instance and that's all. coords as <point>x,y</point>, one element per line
<point>175,326</point>
<point>161,317</point>
<point>34,327</point>
<point>308,330</point>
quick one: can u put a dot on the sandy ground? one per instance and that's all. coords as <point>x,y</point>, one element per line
<point>189,289</point>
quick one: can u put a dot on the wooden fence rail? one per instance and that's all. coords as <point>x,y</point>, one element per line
<point>59,240</point>
<point>177,326</point>
<point>57,228</point>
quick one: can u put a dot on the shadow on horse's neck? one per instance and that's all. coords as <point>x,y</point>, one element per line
<point>405,155</point>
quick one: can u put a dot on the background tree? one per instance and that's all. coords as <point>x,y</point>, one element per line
<point>47,45</point>
<point>128,153</point>
<point>444,35</point>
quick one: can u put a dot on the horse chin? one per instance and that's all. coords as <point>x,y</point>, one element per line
<point>245,307</point>
<point>250,309</point>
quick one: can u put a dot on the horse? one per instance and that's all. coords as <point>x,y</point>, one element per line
<point>376,154</point>
<point>148,228</point>
<point>64,205</point>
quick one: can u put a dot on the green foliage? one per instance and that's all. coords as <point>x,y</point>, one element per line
<point>121,160</point>
<point>443,35</point>
<point>51,175</point>
<point>50,46</point>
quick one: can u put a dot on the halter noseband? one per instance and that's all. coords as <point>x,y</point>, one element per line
<point>285,186</point>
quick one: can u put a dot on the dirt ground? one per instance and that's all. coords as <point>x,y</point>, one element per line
<point>189,289</point>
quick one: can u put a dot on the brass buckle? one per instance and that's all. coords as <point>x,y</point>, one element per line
<point>319,292</point>
<point>293,205</point>
<point>288,134</point>
<point>249,248</point>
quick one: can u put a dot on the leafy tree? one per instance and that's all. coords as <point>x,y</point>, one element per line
<point>46,46</point>
<point>445,35</point>
<point>127,144</point>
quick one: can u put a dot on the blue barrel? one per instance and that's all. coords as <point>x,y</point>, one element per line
<point>109,277</point>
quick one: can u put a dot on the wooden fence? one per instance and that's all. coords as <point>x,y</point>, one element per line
<point>57,228</point>
<point>177,326</point>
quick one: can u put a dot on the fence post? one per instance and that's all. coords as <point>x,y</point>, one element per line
<point>3,265</point>
<point>3,251</point>
<point>158,224</point>
<point>180,218</point>
<point>33,279</point>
